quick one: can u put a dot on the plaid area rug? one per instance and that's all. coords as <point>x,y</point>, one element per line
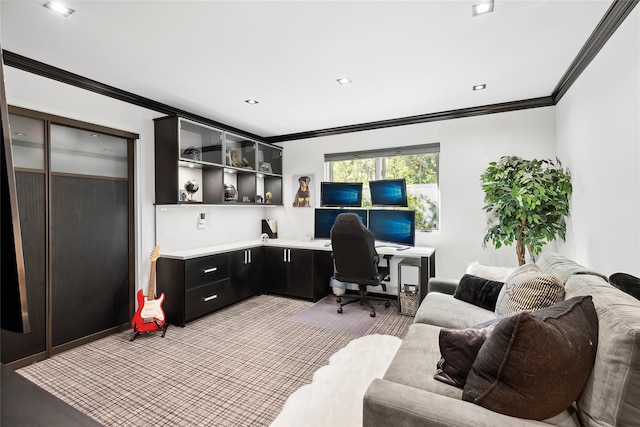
<point>235,367</point>
<point>355,318</point>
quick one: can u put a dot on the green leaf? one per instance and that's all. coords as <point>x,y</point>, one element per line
<point>534,191</point>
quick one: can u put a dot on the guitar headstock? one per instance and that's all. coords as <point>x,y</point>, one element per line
<point>155,253</point>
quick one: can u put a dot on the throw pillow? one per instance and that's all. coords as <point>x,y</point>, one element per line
<point>528,289</point>
<point>498,274</point>
<point>458,348</point>
<point>626,283</point>
<point>478,291</point>
<point>535,365</point>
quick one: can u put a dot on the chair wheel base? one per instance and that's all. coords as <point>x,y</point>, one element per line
<point>340,310</point>
<point>339,299</point>
<point>372,314</point>
<point>387,304</point>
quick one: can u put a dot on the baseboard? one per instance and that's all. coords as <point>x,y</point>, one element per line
<point>89,338</point>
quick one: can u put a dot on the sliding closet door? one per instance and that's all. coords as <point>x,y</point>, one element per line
<point>89,233</point>
<point>28,149</point>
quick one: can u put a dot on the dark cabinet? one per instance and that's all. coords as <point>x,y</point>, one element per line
<point>300,273</point>
<point>246,273</point>
<point>199,286</point>
<point>193,287</point>
<point>227,168</point>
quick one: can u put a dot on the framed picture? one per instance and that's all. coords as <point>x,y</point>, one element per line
<point>182,195</point>
<point>302,191</point>
<point>265,167</point>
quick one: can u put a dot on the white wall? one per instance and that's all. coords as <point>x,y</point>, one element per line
<point>467,146</point>
<point>177,225</point>
<point>598,137</point>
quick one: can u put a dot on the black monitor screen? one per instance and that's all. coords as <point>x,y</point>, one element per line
<point>324,219</point>
<point>388,192</point>
<point>341,194</point>
<point>394,226</point>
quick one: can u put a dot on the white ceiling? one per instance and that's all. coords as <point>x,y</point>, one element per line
<point>405,57</point>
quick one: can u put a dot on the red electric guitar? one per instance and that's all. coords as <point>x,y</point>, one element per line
<point>149,317</point>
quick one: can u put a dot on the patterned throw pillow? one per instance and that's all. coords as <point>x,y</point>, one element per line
<point>528,289</point>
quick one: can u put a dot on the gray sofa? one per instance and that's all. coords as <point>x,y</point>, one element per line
<point>408,394</point>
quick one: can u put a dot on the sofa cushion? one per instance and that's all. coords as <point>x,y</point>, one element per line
<point>414,363</point>
<point>528,288</point>
<point>458,350</point>
<point>478,291</point>
<point>535,365</point>
<point>444,310</point>
<point>498,274</point>
<point>558,265</point>
<point>612,394</point>
<point>626,283</point>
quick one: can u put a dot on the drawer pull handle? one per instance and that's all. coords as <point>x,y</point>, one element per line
<point>209,298</point>
<point>209,270</point>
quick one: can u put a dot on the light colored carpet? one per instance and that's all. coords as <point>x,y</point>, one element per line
<point>235,367</point>
<point>334,397</point>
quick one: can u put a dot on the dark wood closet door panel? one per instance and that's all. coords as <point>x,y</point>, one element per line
<point>31,204</point>
<point>89,257</point>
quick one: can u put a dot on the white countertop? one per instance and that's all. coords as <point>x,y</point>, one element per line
<point>318,244</point>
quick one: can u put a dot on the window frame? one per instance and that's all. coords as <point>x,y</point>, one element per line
<point>380,167</point>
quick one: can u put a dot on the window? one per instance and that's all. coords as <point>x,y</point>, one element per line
<point>417,164</point>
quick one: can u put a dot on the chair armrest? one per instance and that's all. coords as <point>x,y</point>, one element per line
<point>445,286</point>
<point>387,403</point>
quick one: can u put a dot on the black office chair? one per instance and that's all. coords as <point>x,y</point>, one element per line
<point>355,258</point>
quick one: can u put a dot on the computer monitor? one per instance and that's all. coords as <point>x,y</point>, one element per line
<point>388,192</point>
<point>324,219</point>
<point>393,226</point>
<point>341,194</point>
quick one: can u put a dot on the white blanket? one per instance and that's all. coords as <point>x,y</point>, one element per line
<point>334,397</point>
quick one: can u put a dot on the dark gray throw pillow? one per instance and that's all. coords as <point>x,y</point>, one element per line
<point>535,365</point>
<point>626,283</point>
<point>478,291</point>
<point>459,348</point>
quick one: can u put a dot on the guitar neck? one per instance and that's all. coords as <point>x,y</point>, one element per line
<point>151,291</point>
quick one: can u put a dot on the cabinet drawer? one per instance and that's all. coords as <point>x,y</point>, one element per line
<point>201,271</point>
<point>205,299</point>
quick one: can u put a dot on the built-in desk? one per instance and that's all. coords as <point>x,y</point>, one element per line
<point>201,280</point>
<point>426,255</point>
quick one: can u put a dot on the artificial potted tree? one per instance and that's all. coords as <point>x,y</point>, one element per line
<point>527,202</point>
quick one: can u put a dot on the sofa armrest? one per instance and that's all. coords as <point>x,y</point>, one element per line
<point>387,403</point>
<point>445,286</point>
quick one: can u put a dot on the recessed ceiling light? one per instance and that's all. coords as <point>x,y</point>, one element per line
<point>482,8</point>
<point>59,8</point>
<point>20,134</point>
<point>251,101</point>
<point>344,80</point>
<point>480,87</point>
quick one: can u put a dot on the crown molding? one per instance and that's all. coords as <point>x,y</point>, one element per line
<point>15,60</point>
<point>545,101</point>
<point>615,15</point>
